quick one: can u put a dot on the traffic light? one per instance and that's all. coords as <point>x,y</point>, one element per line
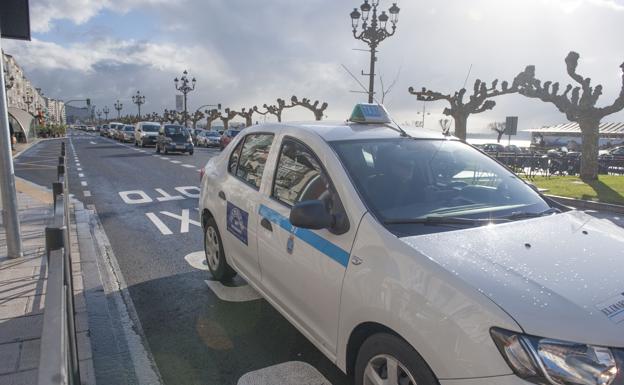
<point>88,102</point>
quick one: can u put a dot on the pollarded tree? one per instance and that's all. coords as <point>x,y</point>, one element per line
<point>170,116</point>
<point>247,114</point>
<point>229,115</point>
<point>499,128</point>
<point>460,109</point>
<point>275,109</point>
<point>317,110</point>
<point>211,116</point>
<point>196,117</point>
<point>445,125</point>
<point>579,105</point>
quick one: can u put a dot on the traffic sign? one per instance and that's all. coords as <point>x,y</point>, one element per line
<point>511,125</point>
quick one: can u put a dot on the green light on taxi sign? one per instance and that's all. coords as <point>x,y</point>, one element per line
<point>369,113</point>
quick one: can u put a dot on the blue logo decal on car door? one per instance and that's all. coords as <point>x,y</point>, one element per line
<point>237,220</point>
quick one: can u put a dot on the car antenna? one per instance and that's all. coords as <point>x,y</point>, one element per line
<point>397,127</point>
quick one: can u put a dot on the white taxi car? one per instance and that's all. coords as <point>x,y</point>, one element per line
<point>416,259</point>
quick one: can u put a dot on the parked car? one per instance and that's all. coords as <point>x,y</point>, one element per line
<point>227,137</point>
<point>127,134</point>
<point>112,132</point>
<point>174,138</point>
<point>613,153</point>
<point>104,130</point>
<point>493,147</point>
<point>415,261</point>
<point>146,133</point>
<point>208,139</point>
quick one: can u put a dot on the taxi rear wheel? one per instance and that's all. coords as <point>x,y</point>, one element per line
<point>215,256</point>
<point>387,359</point>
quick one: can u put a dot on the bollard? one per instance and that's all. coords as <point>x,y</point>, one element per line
<point>60,170</point>
<point>63,148</point>
<point>61,160</point>
<point>57,189</point>
<point>54,239</point>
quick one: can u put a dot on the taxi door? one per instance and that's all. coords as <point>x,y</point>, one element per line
<point>302,270</point>
<point>239,195</point>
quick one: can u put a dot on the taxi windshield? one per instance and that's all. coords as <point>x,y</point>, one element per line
<point>409,182</point>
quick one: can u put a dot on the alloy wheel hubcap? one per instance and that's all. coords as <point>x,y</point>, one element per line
<point>387,370</point>
<point>212,248</point>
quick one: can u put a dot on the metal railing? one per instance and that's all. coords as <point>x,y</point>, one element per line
<point>549,165</point>
<point>58,362</point>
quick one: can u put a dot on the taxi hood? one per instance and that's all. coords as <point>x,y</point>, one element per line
<point>560,276</point>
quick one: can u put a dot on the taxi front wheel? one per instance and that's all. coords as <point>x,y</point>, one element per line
<point>387,359</point>
<point>215,257</point>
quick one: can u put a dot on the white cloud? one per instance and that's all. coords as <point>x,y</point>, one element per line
<point>45,12</point>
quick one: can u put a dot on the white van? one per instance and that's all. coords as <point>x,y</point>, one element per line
<point>146,133</point>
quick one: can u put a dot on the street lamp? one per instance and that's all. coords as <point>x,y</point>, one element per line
<point>185,86</point>
<point>373,32</point>
<point>106,111</point>
<point>118,106</point>
<point>99,115</point>
<point>138,99</point>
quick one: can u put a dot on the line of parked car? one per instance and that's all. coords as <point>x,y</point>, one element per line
<point>165,138</point>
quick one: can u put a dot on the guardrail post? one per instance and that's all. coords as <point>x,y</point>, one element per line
<point>61,160</point>
<point>63,148</point>
<point>54,239</point>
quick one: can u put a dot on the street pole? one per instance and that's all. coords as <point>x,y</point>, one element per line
<point>7,179</point>
<point>185,88</point>
<point>371,74</point>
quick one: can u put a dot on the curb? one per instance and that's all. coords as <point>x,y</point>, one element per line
<point>588,205</point>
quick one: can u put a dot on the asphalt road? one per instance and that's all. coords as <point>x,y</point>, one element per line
<point>147,205</point>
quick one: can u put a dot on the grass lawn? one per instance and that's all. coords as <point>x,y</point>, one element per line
<point>607,189</point>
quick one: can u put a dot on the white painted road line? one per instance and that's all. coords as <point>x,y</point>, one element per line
<point>175,161</point>
<point>234,294</point>
<point>163,158</point>
<point>80,175</point>
<point>92,142</point>
<point>188,166</point>
<point>79,169</point>
<point>184,219</point>
<point>86,193</point>
<point>159,224</point>
<point>83,183</point>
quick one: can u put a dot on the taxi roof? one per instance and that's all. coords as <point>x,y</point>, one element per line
<point>337,131</point>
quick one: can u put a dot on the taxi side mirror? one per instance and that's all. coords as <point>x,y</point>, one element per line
<point>312,215</point>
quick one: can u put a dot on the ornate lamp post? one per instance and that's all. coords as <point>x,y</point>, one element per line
<point>373,31</point>
<point>118,106</point>
<point>106,111</point>
<point>28,99</point>
<point>185,86</point>
<point>138,99</point>
<point>99,115</point>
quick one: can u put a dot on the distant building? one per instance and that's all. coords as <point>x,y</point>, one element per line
<point>569,135</point>
<point>25,117</point>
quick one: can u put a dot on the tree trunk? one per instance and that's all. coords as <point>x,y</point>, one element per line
<point>248,121</point>
<point>589,157</point>
<point>500,136</point>
<point>226,124</point>
<point>461,122</point>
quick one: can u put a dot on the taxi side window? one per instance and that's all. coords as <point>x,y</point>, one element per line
<point>233,163</point>
<point>299,176</point>
<point>253,157</point>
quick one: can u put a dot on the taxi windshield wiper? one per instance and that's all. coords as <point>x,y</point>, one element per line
<point>527,215</point>
<point>436,220</point>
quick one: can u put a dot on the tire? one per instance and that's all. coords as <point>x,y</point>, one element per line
<point>381,349</point>
<point>215,256</point>
<point>190,153</point>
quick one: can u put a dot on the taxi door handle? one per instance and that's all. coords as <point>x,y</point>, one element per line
<point>266,224</point>
<point>222,195</point>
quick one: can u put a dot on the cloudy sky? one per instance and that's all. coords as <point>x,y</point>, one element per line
<point>247,52</point>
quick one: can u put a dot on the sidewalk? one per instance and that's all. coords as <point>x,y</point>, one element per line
<point>22,293</point>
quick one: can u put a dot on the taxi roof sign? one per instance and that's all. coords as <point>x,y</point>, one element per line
<point>370,113</point>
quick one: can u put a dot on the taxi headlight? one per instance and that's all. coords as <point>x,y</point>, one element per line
<point>553,362</point>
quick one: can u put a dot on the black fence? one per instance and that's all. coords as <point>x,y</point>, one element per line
<point>552,164</point>
<point>58,362</point>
